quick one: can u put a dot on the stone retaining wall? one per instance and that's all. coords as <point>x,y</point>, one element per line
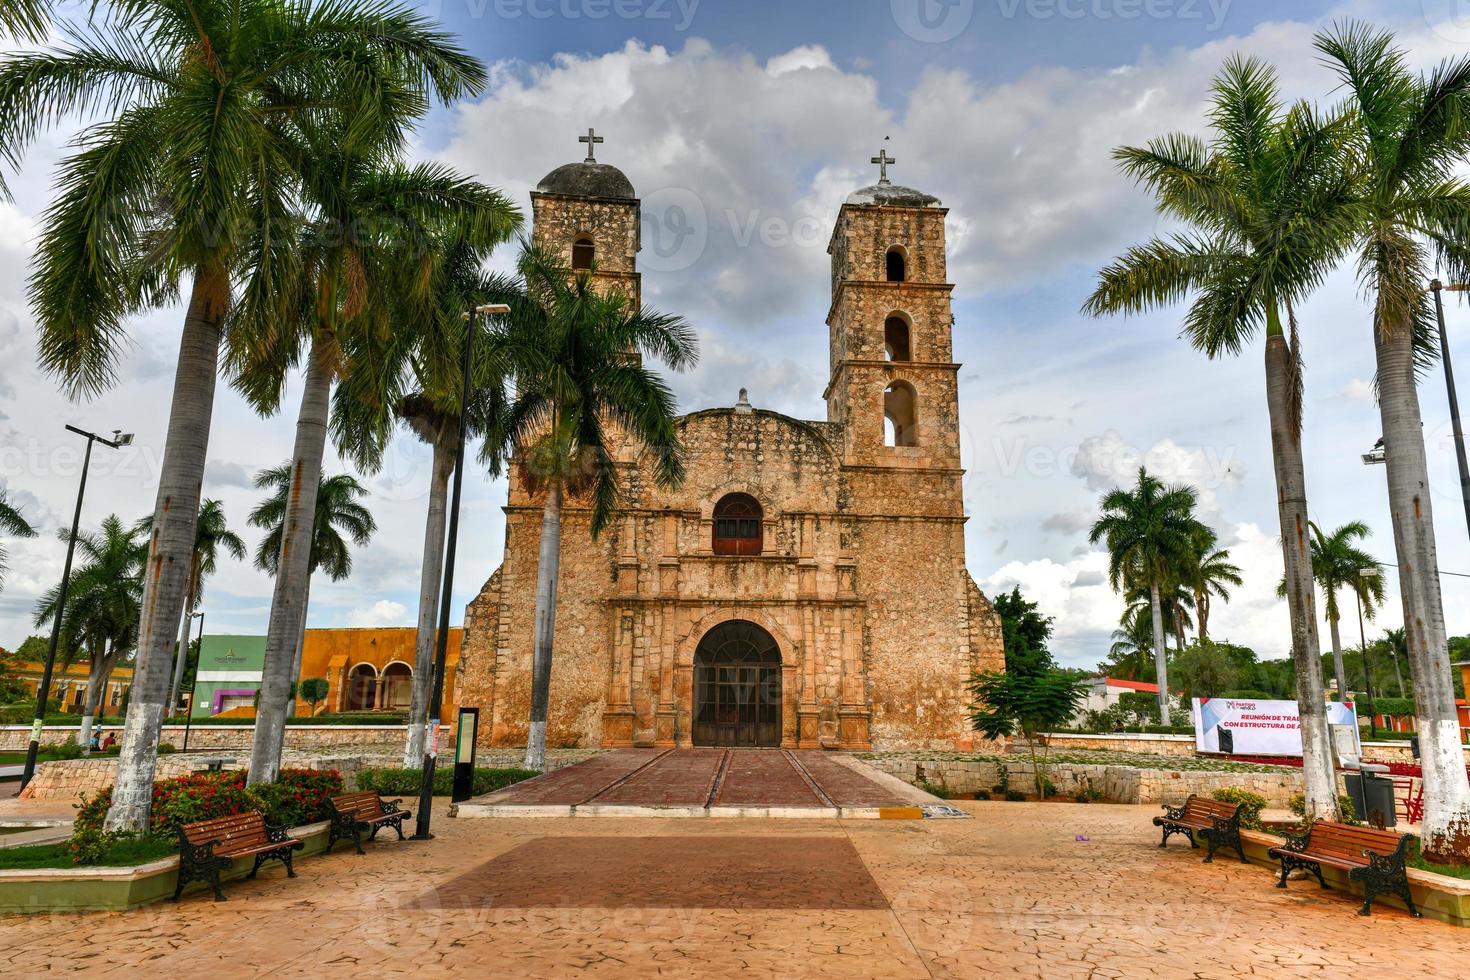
<point>1118,784</point>
<point>74,778</point>
<point>234,738</point>
<point>1183,746</point>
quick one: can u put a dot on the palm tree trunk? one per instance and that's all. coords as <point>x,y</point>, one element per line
<point>429,580</point>
<point>548,567</point>
<point>1202,614</point>
<point>1161,655</point>
<point>1398,675</point>
<point>1337,664</point>
<point>1446,826</point>
<point>175,514</point>
<point>89,705</point>
<point>1301,600</point>
<point>181,661</point>
<point>293,568</point>
<point>301,636</point>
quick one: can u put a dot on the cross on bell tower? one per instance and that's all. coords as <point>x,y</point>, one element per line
<point>883,160</point>
<point>591,139</point>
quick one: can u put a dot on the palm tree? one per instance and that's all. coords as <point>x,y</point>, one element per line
<point>192,110</point>
<point>371,224</point>
<point>415,378</point>
<point>25,19</point>
<point>578,382</point>
<point>1208,573</point>
<point>1147,531</point>
<point>1269,204</point>
<point>337,513</point>
<point>104,595</point>
<point>1177,605</point>
<point>210,534</point>
<point>1411,136</point>
<point>12,524</point>
<point>1397,647</point>
<point>1337,563</point>
<point>1130,656</point>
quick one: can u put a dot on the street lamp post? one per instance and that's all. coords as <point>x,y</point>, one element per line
<point>1366,573</point>
<point>441,643</point>
<point>1449,382</point>
<point>43,690</point>
<point>189,715</point>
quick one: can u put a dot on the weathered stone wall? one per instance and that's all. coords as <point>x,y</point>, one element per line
<point>1118,784</point>
<point>612,224</point>
<point>1183,746</point>
<point>235,738</point>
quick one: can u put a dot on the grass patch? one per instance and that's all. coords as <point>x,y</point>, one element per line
<point>132,850</point>
<point>405,782</point>
<point>1448,870</point>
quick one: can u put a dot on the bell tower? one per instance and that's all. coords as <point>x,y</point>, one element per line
<point>893,380</point>
<point>587,215</point>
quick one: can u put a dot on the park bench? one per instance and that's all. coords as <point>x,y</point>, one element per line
<point>1218,823</point>
<point>210,846</point>
<point>1374,857</point>
<point>353,813</point>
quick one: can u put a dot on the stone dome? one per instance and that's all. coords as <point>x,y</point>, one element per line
<point>892,195</point>
<point>585,179</point>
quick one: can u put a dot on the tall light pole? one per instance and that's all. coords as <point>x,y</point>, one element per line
<point>1366,573</point>
<point>441,643</point>
<point>189,715</point>
<point>43,690</point>
<point>1449,382</point>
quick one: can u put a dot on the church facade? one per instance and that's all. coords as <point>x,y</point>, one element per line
<point>806,585</point>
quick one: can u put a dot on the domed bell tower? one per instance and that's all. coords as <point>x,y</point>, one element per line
<point>893,380</point>
<point>587,215</point>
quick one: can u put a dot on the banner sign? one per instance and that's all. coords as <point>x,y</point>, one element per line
<point>1253,727</point>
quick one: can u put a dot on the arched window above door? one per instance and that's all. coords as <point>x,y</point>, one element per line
<point>738,529</point>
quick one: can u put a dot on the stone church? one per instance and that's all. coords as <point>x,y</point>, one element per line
<point>806,586</point>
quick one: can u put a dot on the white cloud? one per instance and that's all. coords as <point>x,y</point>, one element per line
<point>1359,390</point>
<point>384,612</point>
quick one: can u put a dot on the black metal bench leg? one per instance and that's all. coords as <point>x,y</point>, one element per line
<point>357,839</point>
<point>1210,848</point>
<point>1408,897</point>
<point>179,888</point>
<point>1164,838</point>
<point>290,871</point>
<point>1285,870</point>
<point>259,859</point>
<point>398,826</point>
<point>219,896</point>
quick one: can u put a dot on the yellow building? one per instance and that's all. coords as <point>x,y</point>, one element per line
<point>370,669</point>
<point>69,684</point>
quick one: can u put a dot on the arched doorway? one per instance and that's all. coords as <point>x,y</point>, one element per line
<point>362,688</point>
<point>396,682</point>
<point>737,687</point>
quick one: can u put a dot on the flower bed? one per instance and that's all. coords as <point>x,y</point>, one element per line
<point>298,796</point>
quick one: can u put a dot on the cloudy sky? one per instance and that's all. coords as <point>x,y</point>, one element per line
<point>743,124</point>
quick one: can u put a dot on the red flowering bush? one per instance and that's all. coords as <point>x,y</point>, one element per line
<point>298,796</point>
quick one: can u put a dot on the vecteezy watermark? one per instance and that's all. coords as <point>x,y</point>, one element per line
<point>1450,19</point>
<point>932,21</point>
<point>937,21</point>
<point>673,229</point>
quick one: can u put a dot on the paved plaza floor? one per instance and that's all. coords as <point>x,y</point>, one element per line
<point>709,780</point>
<point>1012,892</point>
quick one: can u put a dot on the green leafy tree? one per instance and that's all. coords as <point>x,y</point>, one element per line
<point>186,157</point>
<point>1141,706</point>
<point>1208,573</point>
<point>1410,141</point>
<point>1005,704</point>
<point>313,691</point>
<point>1026,632</point>
<point>1147,531</point>
<point>1130,657</point>
<point>1204,670</point>
<point>14,525</point>
<point>25,20</point>
<point>575,379</point>
<point>1267,201</point>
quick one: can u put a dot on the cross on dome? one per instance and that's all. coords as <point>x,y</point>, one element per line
<point>883,160</point>
<point>591,139</point>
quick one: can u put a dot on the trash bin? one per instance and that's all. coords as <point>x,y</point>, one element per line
<point>1372,798</point>
<point>1414,745</point>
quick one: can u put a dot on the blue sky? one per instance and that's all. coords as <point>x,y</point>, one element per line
<point>755,119</point>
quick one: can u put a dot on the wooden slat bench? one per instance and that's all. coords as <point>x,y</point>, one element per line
<point>1374,857</point>
<point>1218,823</point>
<point>209,846</point>
<point>353,813</point>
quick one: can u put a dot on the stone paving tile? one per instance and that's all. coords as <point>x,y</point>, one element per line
<point>577,783</point>
<point>1010,893</point>
<point>680,778</point>
<point>667,873</point>
<point>764,777</point>
<point>844,786</point>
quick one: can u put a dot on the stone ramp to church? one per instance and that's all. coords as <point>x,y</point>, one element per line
<point>711,782</point>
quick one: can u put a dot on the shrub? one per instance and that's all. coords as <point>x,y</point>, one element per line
<point>1002,785</point>
<point>1088,793</point>
<point>1251,805</point>
<point>940,791</point>
<point>405,782</point>
<point>1048,788</point>
<point>1298,805</point>
<point>66,750</point>
<point>1015,796</point>
<point>90,846</point>
<point>298,796</point>
<point>982,794</point>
